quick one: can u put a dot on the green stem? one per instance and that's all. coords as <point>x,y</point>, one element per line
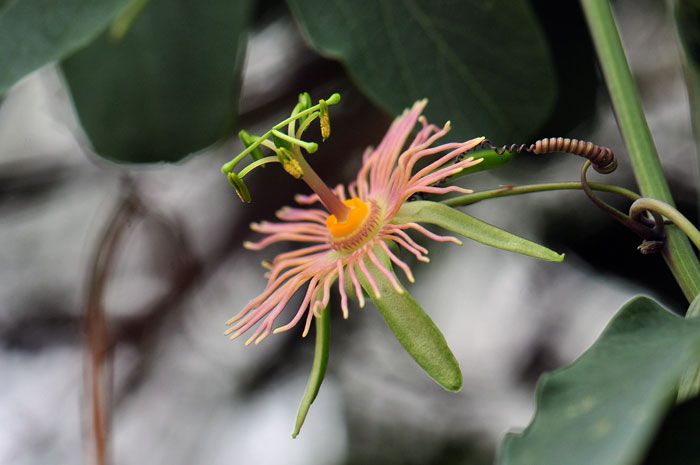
<point>318,369</point>
<point>644,204</point>
<point>630,117</point>
<point>470,199</point>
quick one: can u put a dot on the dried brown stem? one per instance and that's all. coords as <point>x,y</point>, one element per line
<point>97,369</point>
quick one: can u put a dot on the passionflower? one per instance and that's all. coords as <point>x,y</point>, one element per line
<point>358,238</point>
<point>359,223</point>
<point>359,235</point>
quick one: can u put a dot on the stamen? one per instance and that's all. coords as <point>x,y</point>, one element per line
<point>289,164</point>
<point>325,120</point>
<point>240,187</point>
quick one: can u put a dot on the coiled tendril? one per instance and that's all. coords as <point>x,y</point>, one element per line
<point>602,158</point>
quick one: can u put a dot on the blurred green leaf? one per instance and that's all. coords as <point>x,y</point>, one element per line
<point>459,222</point>
<point>412,326</point>
<point>689,384</point>
<point>36,32</point>
<point>484,65</point>
<point>169,87</point>
<point>686,14</point>
<point>575,66</point>
<point>605,407</point>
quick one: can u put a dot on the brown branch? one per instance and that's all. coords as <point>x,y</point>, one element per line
<point>97,370</point>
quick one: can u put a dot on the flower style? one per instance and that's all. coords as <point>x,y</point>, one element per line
<point>359,229</point>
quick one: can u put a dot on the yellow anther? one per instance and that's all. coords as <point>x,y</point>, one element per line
<point>356,218</point>
<point>325,120</point>
<point>240,187</point>
<point>293,167</point>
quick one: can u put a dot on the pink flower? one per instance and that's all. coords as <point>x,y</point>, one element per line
<point>359,229</point>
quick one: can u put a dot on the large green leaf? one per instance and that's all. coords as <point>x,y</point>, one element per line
<point>605,407</point>
<point>412,326</point>
<point>466,225</point>
<point>484,65</point>
<point>168,87</point>
<point>36,32</point>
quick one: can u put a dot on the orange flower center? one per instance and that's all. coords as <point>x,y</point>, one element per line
<point>361,225</point>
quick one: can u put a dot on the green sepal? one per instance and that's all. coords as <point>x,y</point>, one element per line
<point>605,407</point>
<point>424,211</point>
<point>412,326</point>
<point>318,369</point>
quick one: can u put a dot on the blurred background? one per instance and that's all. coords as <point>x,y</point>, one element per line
<point>179,392</point>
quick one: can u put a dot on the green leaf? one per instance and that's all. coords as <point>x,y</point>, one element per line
<point>318,369</point>
<point>412,327</point>
<point>605,407</point>
<point>459,222</point>
<point>689,385</point>
<point>169,87</point>
<point>36,32</point>
<point>484,65</point>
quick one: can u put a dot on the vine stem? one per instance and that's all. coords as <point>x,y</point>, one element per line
<point>624,96</point>
<point>676,217</point>
<point>470,199</point>
<point>97,337</point>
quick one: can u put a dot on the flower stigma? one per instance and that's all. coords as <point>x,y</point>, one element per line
<point>362,224</point>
